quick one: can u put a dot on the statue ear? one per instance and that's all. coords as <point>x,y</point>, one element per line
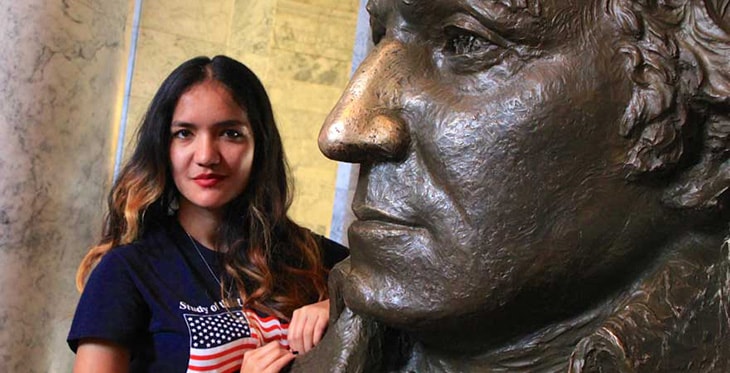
<point>706,42</point>
<point>719,11</point>
<point>656,114</point>
<point>704,185</point>
<point>705,82</point>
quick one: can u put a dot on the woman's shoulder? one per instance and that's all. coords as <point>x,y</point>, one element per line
<point>143,260</point>
<point>155,242</point>
<point>129,256</point>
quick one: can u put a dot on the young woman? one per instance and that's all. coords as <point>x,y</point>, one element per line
<point>199,268</point>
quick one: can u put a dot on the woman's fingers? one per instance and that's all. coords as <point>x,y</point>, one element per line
<point>314,327</point>
<point>319,327</point>
<point>307,326</point>
<point>269,358</point>
<point>294,334</point>
<point>307,333</point>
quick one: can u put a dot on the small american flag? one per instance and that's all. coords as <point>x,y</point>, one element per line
<point>218,342</point>
<point>268,329</point>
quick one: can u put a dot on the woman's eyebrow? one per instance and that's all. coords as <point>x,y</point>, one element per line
<point>177,123</point>
<point>225,123</point>
<point>230,123</point>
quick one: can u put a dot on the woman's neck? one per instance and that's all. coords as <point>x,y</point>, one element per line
<point>201,224</point>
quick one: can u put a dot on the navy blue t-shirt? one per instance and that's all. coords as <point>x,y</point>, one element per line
<point>158,298</point>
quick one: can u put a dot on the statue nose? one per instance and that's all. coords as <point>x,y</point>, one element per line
<point>380,137</point>
<point>366,124</point>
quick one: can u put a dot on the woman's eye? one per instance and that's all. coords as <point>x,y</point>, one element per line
<point>234,134</point>
<point>181,134</point>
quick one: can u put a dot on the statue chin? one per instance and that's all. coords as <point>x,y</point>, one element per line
<point>382,298</point>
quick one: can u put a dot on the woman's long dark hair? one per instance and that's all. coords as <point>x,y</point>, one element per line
<point>275,264</point>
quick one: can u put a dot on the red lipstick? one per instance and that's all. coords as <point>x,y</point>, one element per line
<point>208,180</point>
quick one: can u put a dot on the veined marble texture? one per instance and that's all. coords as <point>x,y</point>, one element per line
<point>208,20</point>
<point>62,67</point>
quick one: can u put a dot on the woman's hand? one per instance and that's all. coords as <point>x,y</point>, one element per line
<point>269,358</point>
<point>307,326</point>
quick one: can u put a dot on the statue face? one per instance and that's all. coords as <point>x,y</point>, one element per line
<point>491,163</point>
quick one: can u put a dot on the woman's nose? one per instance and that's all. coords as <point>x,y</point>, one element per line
<point>207,152</point>
<point>366,124</point>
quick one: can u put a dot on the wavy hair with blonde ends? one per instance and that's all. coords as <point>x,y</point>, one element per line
<point>132,194</point>
<point>275,264</point>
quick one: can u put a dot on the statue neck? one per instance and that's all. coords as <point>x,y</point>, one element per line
<point>547,350</point>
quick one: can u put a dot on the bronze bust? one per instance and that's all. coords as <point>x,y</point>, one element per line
<point>543,188</point>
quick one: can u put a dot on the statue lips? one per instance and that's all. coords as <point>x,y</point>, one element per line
<point>378,237</point>
<point>369,213</point>
<point>381,228</point>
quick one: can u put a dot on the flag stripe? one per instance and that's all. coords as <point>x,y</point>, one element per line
<point>235,359</point>
<point>232,369</point>
<point>205,355</point>
<point>271,328</point>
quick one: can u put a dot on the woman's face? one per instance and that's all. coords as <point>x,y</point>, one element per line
<point>212,147</point>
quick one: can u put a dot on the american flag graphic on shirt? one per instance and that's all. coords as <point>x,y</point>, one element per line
<point>218,342</point>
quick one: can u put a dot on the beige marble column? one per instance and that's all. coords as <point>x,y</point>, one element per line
<point>62,66</point>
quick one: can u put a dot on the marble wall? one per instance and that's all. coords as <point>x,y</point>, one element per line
<point>62,67</point>
<point>300,49</point>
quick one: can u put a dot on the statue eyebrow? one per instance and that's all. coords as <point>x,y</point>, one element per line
<point>530,6</point>
<point>506,13</point>
<point>520,19</point>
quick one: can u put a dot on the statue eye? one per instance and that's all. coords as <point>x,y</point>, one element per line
<point>463,44</point>
<point>468,51</point>
<point>460,42</point>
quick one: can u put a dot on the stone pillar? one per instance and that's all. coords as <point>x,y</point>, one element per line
<point>62,68</point>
